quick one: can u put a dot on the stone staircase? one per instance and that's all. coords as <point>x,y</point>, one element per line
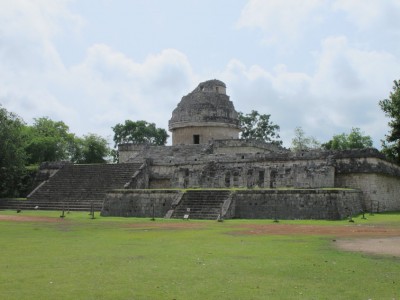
<point>203,204</point>
<point>76,187</point>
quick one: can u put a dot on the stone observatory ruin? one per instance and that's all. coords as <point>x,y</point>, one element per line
<point>204,115</point>
<point>209,173</point>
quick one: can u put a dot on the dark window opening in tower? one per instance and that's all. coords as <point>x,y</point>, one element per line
<point>196,139</point>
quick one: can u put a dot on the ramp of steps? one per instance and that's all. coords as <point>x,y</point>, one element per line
<point>77,186</point>
<point>204,204</point>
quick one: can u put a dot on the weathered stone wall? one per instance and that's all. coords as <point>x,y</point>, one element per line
<point>138,203</point>
<point>160,183</point>
<point>238,146</point>
<point>376,165</point>
<point>376,188</point>
<point>141,178</point>
<point>161,154</point>
<point>264,175</point>
<point>245,204</point>
<point>218,165</point>
<point>128,152</point>
<point>297,204</point>
<point>184,135</point>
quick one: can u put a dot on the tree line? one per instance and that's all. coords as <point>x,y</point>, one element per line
<point>259,127</point>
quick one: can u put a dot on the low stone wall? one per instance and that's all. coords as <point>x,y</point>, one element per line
<point>297,204</point>
<point>138,203</point>
<point>245,204</point>
<point>380,191</point>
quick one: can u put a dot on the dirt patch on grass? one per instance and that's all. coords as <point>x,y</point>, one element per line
<point>21,218</point>
<point>360,238</point>
<point>387,245</point>
<point>337,231</point>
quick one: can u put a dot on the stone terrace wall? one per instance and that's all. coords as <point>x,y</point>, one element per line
<point>138,203</point>
<point>203,166</point>
<point>297,204</point>
<point>233,146</point>
<point>128,152</point>
<point>302,174</point>
<point>245,204</point>
<point>348,165</point>
<point>368,171</point>
<point>162,154</point>
<point>246,151</point>
<point>376,187</point>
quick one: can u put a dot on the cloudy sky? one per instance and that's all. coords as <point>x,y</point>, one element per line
<point>319,64</point>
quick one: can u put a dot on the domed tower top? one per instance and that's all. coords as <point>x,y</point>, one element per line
<point>203,115</point>
<point>213,86</point>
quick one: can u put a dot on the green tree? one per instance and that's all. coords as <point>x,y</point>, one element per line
<point>12,154</point>
<point>354,140</point>
<point>391,107</point>
<point>259,127</point>
<point>302,142</point>
<point>91,149</point>
<point>49,140</point>
<point>139,132</point>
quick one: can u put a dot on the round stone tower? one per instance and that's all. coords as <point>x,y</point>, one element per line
<point>203,115</point>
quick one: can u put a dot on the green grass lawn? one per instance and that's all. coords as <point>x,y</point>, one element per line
<point>130,258</point>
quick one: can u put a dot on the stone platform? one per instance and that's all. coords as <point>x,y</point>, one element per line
<point>329,204</point>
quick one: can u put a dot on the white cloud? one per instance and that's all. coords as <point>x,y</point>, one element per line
<point>281,20</point>
<point>113,88</point>
<point>105,88</point>
<point>35,19</point>
<point>28,58</point>
<point>296,27</point>
<point>27,30</point>
<point>350,82</point>
<point>339,88</point>
<point>370,13</point>
<point>350,70</point>
<point>347,77</point>
<point>342,92</point>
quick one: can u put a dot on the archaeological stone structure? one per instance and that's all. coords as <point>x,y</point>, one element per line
<point>210,173</point>
<point>204,115</point>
